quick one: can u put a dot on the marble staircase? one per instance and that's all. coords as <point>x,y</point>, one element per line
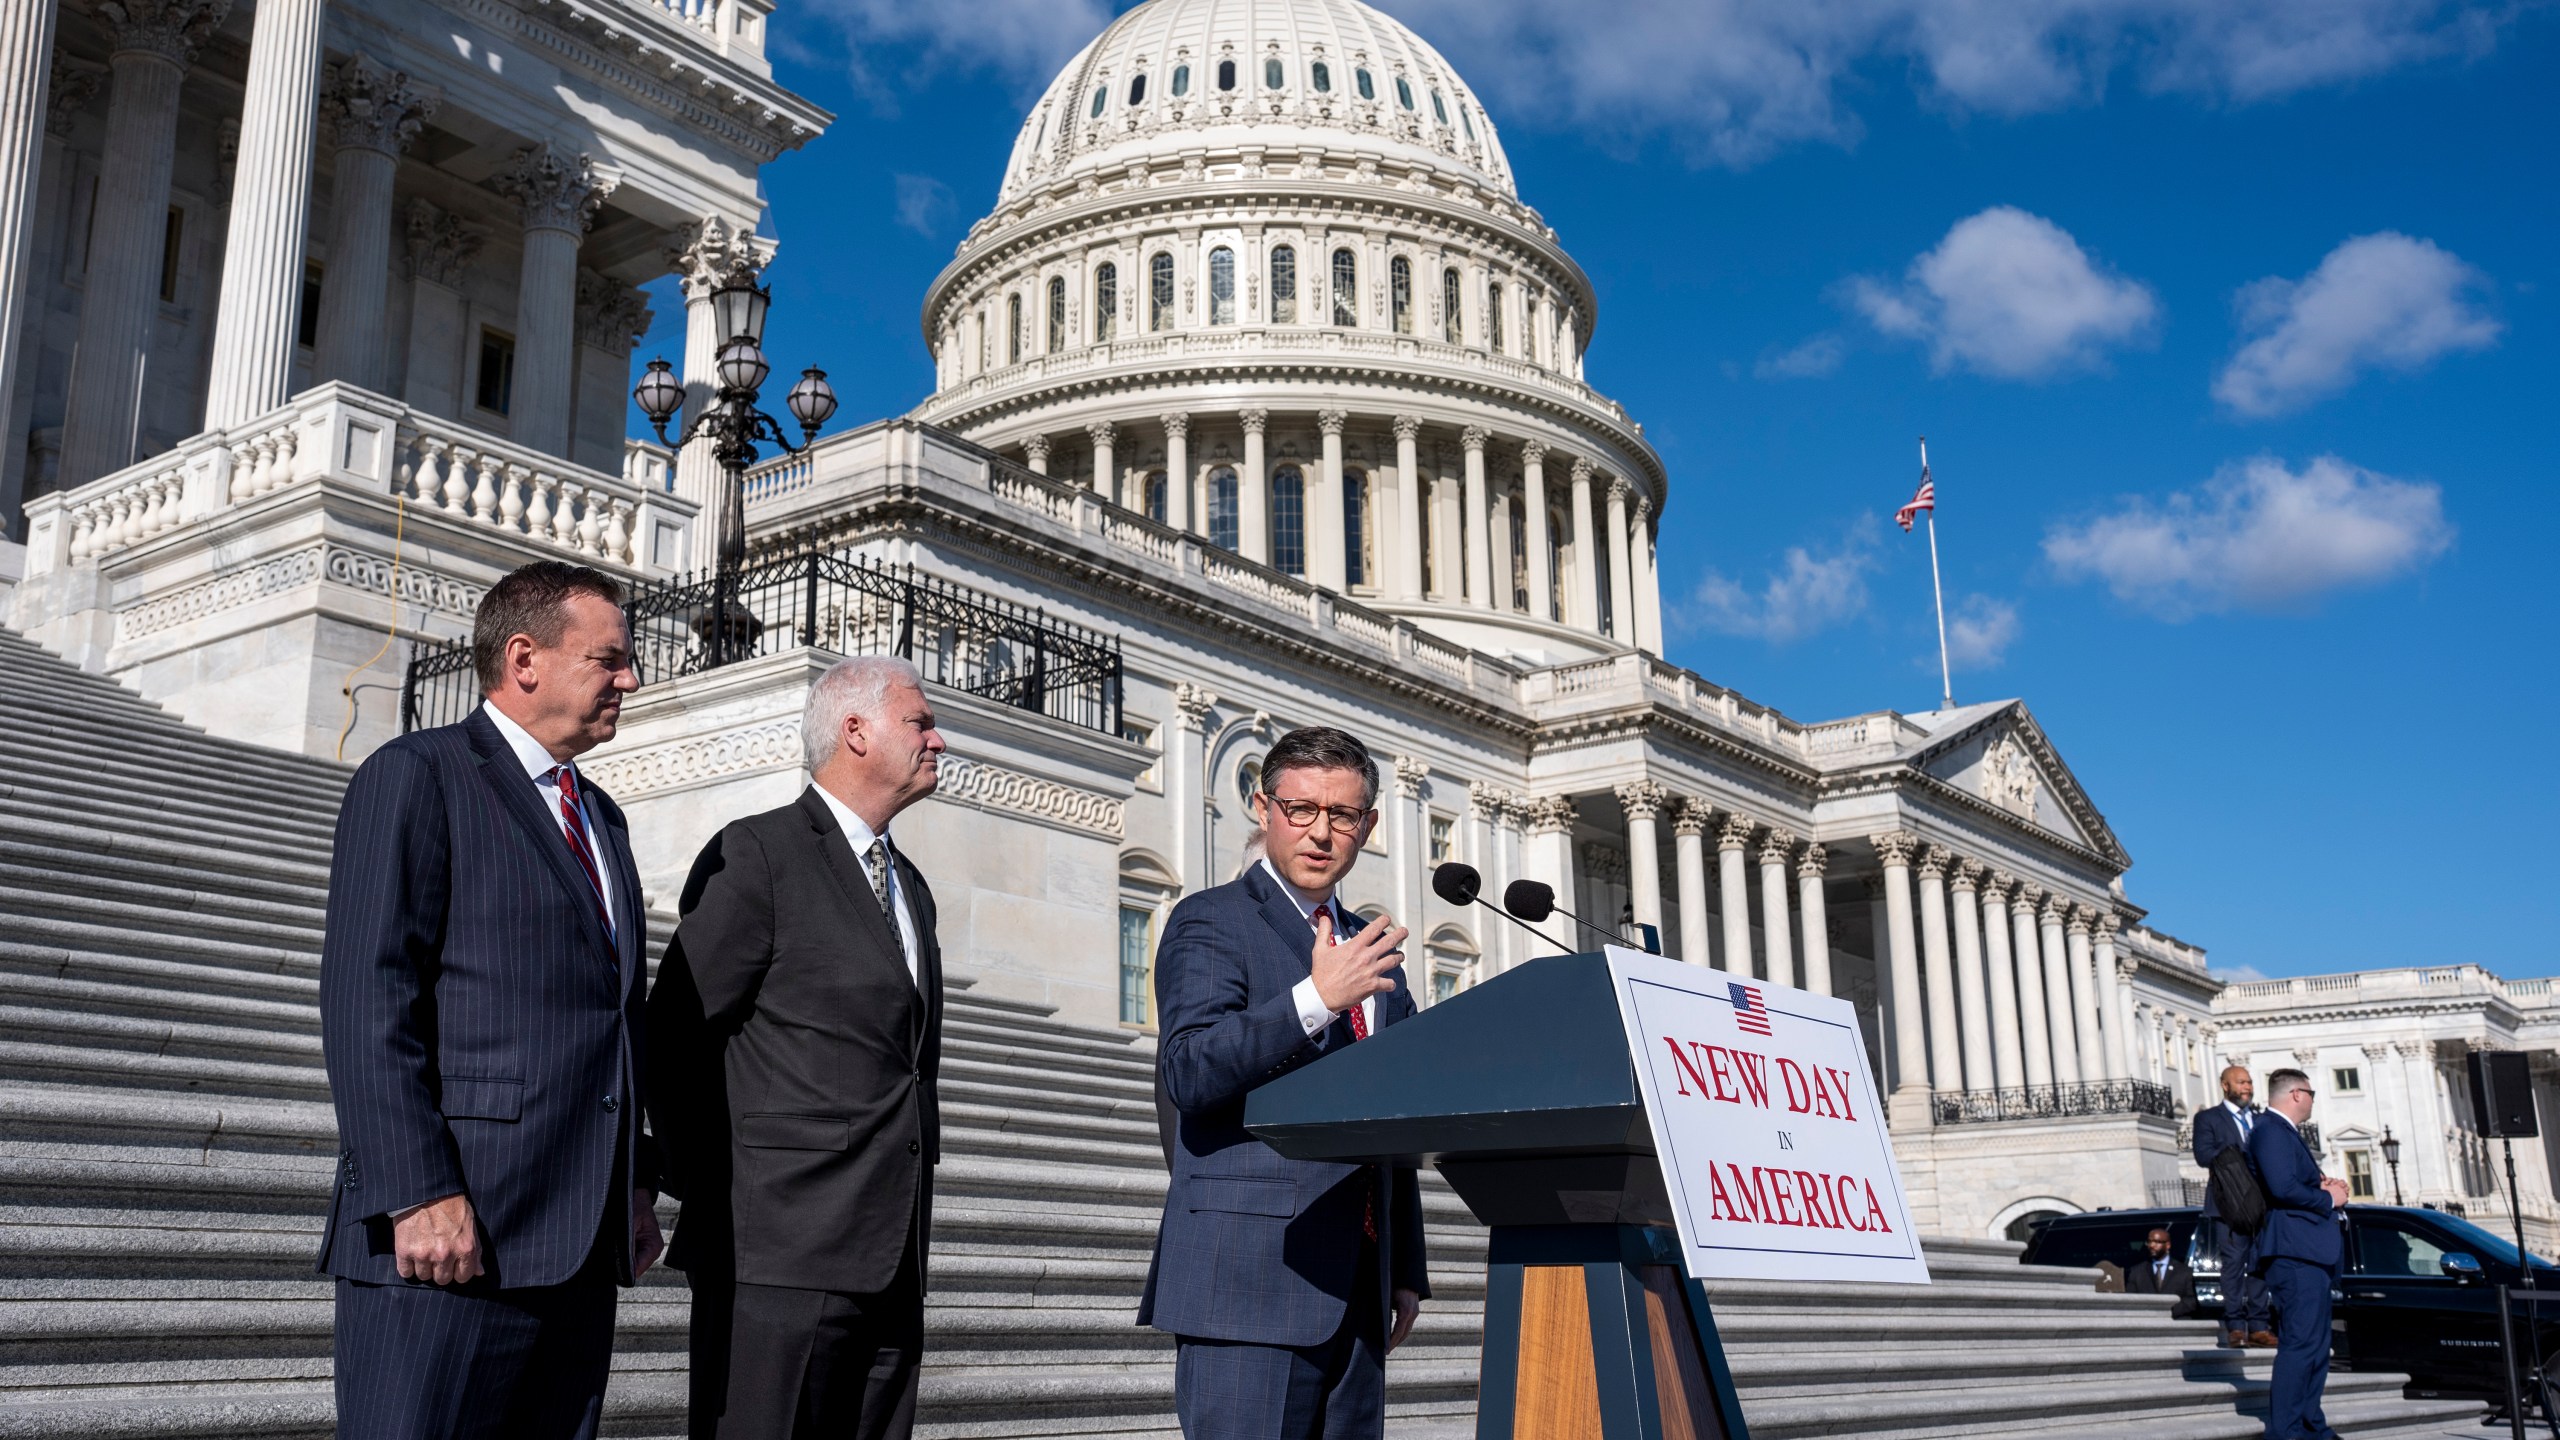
<point>166,1143</point>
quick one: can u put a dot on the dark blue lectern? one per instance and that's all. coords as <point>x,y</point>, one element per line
<point>1522,1092</point>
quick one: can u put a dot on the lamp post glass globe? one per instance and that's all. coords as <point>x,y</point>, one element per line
<point>739,306</point>
<point>742,366</point>
<point>812,401</point>
<point>659,395</point>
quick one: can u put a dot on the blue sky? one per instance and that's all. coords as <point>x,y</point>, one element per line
<point>2227,323</point>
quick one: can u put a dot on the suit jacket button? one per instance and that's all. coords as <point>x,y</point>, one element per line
<point>611,1104</point>
<point>919,1077</point>
<point>915,1147</point>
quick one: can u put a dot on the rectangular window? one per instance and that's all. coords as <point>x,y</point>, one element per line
<point>2347,1081</point>
<point>495,388</point>
<point>175,231</point>
<point>306,323</point>
<point>1443,839</point>
<point>1444,983</point>
<point>2359,1174</point>
<point>1137,965</point>
<point>1139,732</point>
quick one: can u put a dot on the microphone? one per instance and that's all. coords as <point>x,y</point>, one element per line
<point>1531,900</point>
<point>1458,883</point>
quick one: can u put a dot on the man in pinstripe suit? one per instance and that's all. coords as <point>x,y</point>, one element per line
<point>480,990</point>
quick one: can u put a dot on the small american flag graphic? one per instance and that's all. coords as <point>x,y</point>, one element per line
<point>1749,1010</point>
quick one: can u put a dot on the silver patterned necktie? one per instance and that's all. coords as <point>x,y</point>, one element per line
<point>878,857</point>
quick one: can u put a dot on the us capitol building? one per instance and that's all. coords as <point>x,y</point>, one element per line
<point>1260,400</point>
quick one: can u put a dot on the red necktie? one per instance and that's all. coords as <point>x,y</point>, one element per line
<point>1359,1032</point>
<point>573,818</point>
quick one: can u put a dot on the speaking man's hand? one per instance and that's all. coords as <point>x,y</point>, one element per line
<point>1352,971</point>
<point>438,1243</point>
<point>1408,1309</point>
<point>646,1243</point>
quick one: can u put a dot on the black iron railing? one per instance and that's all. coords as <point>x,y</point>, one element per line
<point>2053,1102</point>
<point>957,637</point>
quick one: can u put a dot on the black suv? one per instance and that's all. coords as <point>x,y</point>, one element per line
<point>2419,1295</point>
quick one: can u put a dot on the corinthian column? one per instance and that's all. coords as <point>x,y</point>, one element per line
<point>1404,563</point>
<point>1328,533</point>
<point>1973,1018</point>
<point>1777,947</point>
<point>1533,503</point>
<point>127,225</point>
<point>1184,796</point>
<point>1253,493</point>
<point>707,255</point>
<point>1106,466</point>
<point>1643,800</point>
<point>1648,580</point>
<point>1622,599</point>
<point>1733,892</point>
<point>1817,919</point>
<point>1177,471</point>
<point>560,193</point>
<point>1586,554</point>
<point>2092,995</point>
<point>2115,989</point>
<point>262,256</point>
<point>2045,1065</point>
<point>2070,1067</point>
<point>1946,1055</point>
<point>1902,970</point>
<point>1413,790</point>
<point>372,114</point>
<point>1479,526</point>
<point>1035,453</point>
<point>2007,1065</point>
<point>1688,840</point>
<point>26,52</point>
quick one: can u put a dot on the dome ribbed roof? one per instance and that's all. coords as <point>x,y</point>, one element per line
<point>1348,78</point>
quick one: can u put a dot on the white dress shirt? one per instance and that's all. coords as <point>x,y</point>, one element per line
<point>543,769</point>
<point>2245,1117</point>
<point>859,834</point>
<point>1311,1011</point>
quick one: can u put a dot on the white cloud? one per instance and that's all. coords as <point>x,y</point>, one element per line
<point>2377,302</point>
<point>2258,536</point>
<point>923,202</point>
<point>1814,358</point>
<point>1734,81</point>
<point>1980,632</point>
<point>891,43</point>
<point>1808,594</point>
<point>2011,295</point>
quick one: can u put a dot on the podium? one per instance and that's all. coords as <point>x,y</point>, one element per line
<point>1522,1092</point>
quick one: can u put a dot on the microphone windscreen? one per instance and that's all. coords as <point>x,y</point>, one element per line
<point>1456,882</point>
<point>1529,900</point>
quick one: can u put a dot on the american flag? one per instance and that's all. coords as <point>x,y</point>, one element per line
<point>1749,1011</point>
<point>1926,499</point>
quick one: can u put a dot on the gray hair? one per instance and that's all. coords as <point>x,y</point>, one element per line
<point>859,686</point>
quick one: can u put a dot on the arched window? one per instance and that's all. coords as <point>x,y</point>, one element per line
<point>1368,89</point>
<point>1106,299</point>
<point>1493,317</point>
<point>1151,496</point>
<point>1284,285</point>
<point>1137,89</point>
<point>1346,288</point>
<point>1057,313</point>
<point>1181,81</point>
<point>1519,552</point>
<point>1453,321</point>
<point>1557,557</point>
<point>1273,74</point>
<point>1226,74</point>
<point>1449,962</point>
<point>1222,507</point>
<point>1013,330</point>
<point>1404,94</point>
<point>1160,291</point>
<point>1101,95</point>
<point>1355,526</point>
<point>1222,286</point>
<point>1289,520</point>
<point>1438,108</point>
<point>1470,124</point>
<point>1320,75</point>
<point>1040,136</point>
<point>1400,294</point>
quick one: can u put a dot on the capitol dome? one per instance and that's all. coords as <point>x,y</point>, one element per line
<point>1258,273</point>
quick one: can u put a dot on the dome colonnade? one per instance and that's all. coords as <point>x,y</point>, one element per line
<point>1258,272</point>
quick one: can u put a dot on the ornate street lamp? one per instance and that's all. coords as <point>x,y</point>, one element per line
<point>734,426</point>
<point>2391,1157</point>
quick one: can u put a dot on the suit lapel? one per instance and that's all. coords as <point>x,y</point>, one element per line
<point>928,972</point>
<point>630,936</point>
<point>837,847</point>
<point>516,792</point>
<point>1280,911</point>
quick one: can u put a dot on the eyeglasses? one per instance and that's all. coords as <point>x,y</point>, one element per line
<point>1302,814</point>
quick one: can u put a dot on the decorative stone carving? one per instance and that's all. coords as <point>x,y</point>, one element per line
<point>1473,438</point>
<point>1100,432</point>
<point>991,787</point>
<point>1253,420</point>
<point>1811,863</point>
<point>75,83</point>
<point>1412,775</point>
<point>1583,470</point>
<point>1407,426</point>
<point>611,315</point>
<point>1176,425</point>
<point>558,189</point>
<point>709,251</point>
<point>1735,833</point>
<point>2076,920</point>
<point>1777,845</point>
<point>1605,862</point>
<point>1485,798</point>
<point>1967,875</point>
<point>442,246</point>
<point>1619,489</point>
<point>293,571</point>
<point>170,29</point>
<point>1035,448</point>
<point>2009,778</point>
<point>1330,422</point>
<point>1533,452</point>
<point>2030,895</point>
<point>1894,847</point>
<point>1643,799</point>
<point>368,106</point>
<point>1997,885</point>
<point>1551,815</point>
<point>1191,705</point>
<point>1691,817</point>
<point>1934,860</point>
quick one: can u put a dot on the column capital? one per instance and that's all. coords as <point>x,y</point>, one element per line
<point>365,105</point>
<point>1533,452</point>
<point>611,315</point>
<point>1412,774</point>
<point>1177,425</point>
<point>2110,920</point>
<point>1619,489</point>
<point>1551,815</point>
<point>1486,799</point>
<point>1036,448</point>
<point>1735,832</point>
<point>1814,860</point>
<point>2076,919</point>
<point>1583,470</point>
<point>1330,422</point>
<point>1100,432</point>
<point>1777,845</point>
<point>1191,705</point>
<point>1643,799</point>
<point>1996,887</point>
<point>1407,426</point>
<point>1644,507</point>
<point>2416,1049</point>
<point>1934,860</point>
<point>2376,1051</point>
<point>441,245</point>
<point>2052,911</point>
<point>1691,816</point>
<point>1966,875</point>
<point>1473,438</point>
<point>1253,420</point>
<point>559,189</point>
<point>168,29</point>
<point>1894,847</point>
<point>710,250</point>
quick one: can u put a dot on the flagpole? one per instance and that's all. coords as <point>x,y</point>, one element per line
<point>1946,676</point>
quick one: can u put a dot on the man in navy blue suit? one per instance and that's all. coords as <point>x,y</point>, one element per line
<point>2300,1250</point>
<point>480,990</point>
<point>1285,1282</point>
<point>2245,1318</point>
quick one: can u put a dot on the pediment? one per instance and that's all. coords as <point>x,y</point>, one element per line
<point>2004,759</point>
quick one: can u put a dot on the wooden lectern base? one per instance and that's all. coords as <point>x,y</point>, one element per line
<point>1595,1332</point>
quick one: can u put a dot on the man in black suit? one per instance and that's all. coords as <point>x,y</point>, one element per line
<point>2246,1315</point>
<point>480,1013</point>
<point>798,1023</point>
<point>2160,1273</point>
<point>1284,1282</point>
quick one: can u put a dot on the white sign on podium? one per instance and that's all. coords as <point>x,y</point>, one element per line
<point>1766,1121</point>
